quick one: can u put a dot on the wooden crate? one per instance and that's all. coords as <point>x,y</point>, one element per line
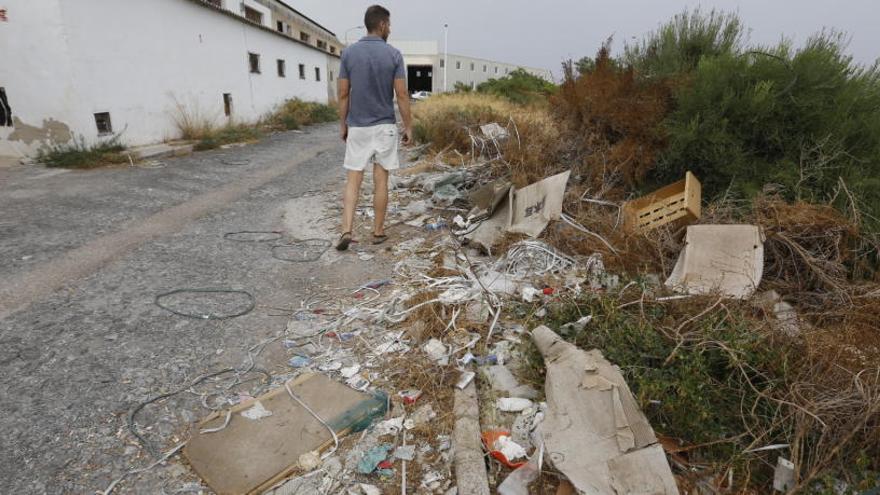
<point>677,202</point>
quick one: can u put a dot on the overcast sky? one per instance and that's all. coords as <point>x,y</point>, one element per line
<point>544,33</point>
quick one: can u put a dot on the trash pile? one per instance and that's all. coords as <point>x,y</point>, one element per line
<point>403,384</point>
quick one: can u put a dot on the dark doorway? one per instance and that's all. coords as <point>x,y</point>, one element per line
<point>419,78</point>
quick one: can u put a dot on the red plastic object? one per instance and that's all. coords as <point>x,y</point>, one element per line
<point>548,291</point>
<point>386,464</point>
<point>489,438</point>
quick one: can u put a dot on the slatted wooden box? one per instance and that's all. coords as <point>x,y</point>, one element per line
<point>677,202</point>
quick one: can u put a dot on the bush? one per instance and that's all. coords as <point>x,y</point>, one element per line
<point>228,134</point>
<point>78,154</point>
<point>519,87</point>
<point>677,47</point>
<point>799,119</point>
<point>612,120</point>
<point>294,113</point>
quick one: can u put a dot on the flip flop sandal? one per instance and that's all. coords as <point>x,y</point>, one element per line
<point>344,241</point>
<point>379,239</point>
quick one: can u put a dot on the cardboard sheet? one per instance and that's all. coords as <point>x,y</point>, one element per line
<point>720,259</point>
<point>250,455</point>
<point>593,429</point>
<point>534,206</point>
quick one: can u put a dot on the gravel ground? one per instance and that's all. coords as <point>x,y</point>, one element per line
<point>83,256</point>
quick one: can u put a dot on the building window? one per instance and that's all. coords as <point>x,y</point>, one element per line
<point>485,68</point>
<point>254,62</point>
<point>330,74</point>
<point>5,110</point>
<point>304,36</point>
<point>317,73</point>
<point>458,64</point>
<point>279,26</point>
<point>506,70</point>
<point>302,71</point>
<point>322,44</point>
<point>442,63</point>
<point>282,72</point>
<point>332,49</point>
<point>227,104</point>
<point>472,66</point>
<point>102,121</point>
<point>252,14</point>
<point>496,69</point>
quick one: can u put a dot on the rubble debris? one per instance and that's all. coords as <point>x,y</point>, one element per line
<point>723,259</point>
<point>299,361</point>
<point>783,475</point>
<point>370,489</point>
<point>502,380</point>
<point>517,482</point>
<point>535,205</point>
<point>513,404</point>
<point>249,456</point>
<point>405,452</point>
<point>678,202</point>
<point>589,404</point>
<point>787,319</point>
<point>256,412</point>
<point>575,327</point>
<point>494,130</point>
<point>437,351</point>
<point>391,426</point>
<point>488,198</point>
<point>464,379</point>
<point>420,417</point>
<point>470,469</point>
<point>445,195</point>
<point>309,461</point>
<point>410,396</point>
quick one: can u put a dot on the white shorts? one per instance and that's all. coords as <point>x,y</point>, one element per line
<point>376,143</point>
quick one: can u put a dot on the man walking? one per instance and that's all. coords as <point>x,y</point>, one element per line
<point>371,72</point>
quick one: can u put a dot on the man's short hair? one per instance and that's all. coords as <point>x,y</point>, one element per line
<point>375,16</point>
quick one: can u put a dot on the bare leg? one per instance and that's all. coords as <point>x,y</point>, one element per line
<point>350,199</point>
<point>380,198</point>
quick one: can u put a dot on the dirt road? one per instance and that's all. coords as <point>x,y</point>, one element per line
<point>83,256</point>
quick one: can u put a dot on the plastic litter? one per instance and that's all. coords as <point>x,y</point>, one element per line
<point>517,483</point>
<point>464,379</point>
<point>783,475</point>
<point>309,461</point>
<point>405,452</point>
<point>410,396</point>
<point>513,404</point>
<point>256,412</point>
<point>299,361</point>
<point>576,326</point>
<point>358,383</point>
<point>511,450</point>
<point>529,293</point>
<point>372,457</point>
<point>490,439</point>
<point>421,416</point>
<point>391,426</point>
<point>437,351</point>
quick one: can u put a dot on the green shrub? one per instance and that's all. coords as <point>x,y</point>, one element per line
<point>461,87</point>
<point>519,87</point>
<point>801,119</point>
<point>679,45</point>
<point>294,113</point>
<point>79,154</point>
<point>228,134</point>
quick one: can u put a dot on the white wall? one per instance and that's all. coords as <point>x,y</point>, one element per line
<point>138,60</point>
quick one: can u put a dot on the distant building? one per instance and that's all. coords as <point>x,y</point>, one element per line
<point>97,68</point>
<point>425,64</point>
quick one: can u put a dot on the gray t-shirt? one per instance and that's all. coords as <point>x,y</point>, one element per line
<point>371,65</point>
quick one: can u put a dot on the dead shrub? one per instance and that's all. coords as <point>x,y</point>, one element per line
<point>612,120</point>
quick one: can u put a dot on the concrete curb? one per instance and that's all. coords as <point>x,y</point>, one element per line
<point>470,465</point>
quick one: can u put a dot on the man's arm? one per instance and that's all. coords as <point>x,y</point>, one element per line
<point>344,88</point>
<point>405,113</point>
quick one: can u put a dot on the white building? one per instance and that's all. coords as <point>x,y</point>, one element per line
<point>96,68</point>
<point>425,64</point>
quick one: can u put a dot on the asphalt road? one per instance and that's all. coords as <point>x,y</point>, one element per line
<point>83,256</point>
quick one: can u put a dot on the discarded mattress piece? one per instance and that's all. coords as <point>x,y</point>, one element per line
<point>677,202</point>
<point>248,456</point>
<point>593,428</point>
<point>719,259</point>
